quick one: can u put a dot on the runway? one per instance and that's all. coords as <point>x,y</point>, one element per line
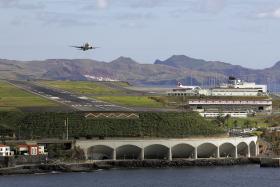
<point>75,101</point>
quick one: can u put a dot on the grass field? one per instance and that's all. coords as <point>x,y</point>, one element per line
<point>120,83</point>
<point>82,87</point>
<point>137,101</point>
<point>12,98</point>
<point>248,122</point>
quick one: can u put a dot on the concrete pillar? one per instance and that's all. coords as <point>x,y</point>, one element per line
<point>114,154</point>
<point>142,157</point>
<point>218,152</point>
<point>257,149</point>
<point>170,154</point>
<point>235,152</point>
<point>85,152</point>
<point>195,153</point>
<point>249,152</point>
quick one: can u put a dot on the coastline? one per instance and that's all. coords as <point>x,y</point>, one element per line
<point>122,164</point>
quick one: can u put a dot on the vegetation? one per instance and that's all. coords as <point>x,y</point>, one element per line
<point>276,104</point>
<point>12,98</point>
<point>82,87</point>
<point>51,125</point>
<point>250,122</point>
<point>120,83</point>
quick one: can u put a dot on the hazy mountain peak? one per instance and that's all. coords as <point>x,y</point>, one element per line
<point>182,61</point>
<point>124,60</point>
<point>277,65</point>
<point>179,57</point>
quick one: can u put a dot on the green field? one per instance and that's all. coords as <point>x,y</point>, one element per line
<point>249,122</point>
<point>137,101</point>
<point>12,98</point>
<point>82,87</point>
<point>120,83</point>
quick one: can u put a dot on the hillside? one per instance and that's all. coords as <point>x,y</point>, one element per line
<point>176,68</point>
<point>51,125</point>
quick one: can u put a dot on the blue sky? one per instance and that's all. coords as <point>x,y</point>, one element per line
<point>244,32</point>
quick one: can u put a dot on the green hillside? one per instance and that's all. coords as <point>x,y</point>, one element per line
<point>51,125</point>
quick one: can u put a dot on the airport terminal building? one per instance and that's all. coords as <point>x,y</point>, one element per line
<point>233,108</point>
<point>236,98</point>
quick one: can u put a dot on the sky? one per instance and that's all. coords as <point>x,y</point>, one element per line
<point>241,32</point>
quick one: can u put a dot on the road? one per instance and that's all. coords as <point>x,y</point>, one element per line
<point>75,101</point>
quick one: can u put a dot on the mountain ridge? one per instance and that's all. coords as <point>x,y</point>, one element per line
<point>182,68</point>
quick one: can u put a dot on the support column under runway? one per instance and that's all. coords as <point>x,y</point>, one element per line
<point>195,153</point>
<point>235,152</point>
<point>249,152</point>
<point>218,152</point>
<point>142,157</point>
<point>85,153</point>
<point>114,155</point>
<point>170,154</point>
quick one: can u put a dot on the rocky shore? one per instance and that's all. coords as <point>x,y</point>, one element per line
<point>87,167</point>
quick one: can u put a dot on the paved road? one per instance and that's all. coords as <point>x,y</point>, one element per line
<point>78,102</point>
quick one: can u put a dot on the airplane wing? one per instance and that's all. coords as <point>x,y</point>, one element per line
<point>78,47</point>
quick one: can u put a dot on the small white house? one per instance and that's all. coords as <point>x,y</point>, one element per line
<point>41,150</point>
<point>5,150</point>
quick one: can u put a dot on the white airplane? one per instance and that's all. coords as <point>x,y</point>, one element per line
<point>180,85</point>
<point>85,47</point>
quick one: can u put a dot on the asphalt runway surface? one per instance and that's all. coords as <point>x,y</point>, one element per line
<point>75,101</point>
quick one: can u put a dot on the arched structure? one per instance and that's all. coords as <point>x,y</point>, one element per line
<point>207,150</point>
<point>227,150</point>
<point>156,151</point>
<point>253,149</point>
<point>124,149</point>
<point>100,152</point>
<point>183,151</point>
<point>128,152</point>
<point>242,149</point>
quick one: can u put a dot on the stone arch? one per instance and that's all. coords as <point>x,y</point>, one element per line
<point>207,150</point>
<point>128,152</point>
<point>156,151</point>
<point>242,149</point>
<point>100,152</point>
<point>183,150</point>
<point>252,146</point>
<point>227,150</point>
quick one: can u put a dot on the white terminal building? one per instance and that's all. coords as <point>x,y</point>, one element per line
<point>237,87</point>
<point>234,87</point>
<point>239,99</point>
<point>233,108</point>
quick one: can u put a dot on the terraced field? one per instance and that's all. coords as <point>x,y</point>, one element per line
<point>13,98</point>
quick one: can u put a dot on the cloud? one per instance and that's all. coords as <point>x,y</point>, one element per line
<point>212,6</point>
<point>269,14</point>
<point>146,3</point>
<point>21,4</point>
<point>135,16</point>
<point>63,19</point>
<point>102,4</point>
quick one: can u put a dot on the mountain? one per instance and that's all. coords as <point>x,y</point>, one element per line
<point>176,68</point>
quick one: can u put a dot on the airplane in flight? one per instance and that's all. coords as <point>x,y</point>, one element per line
<point>180,85</point>
<point>85,47</point>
